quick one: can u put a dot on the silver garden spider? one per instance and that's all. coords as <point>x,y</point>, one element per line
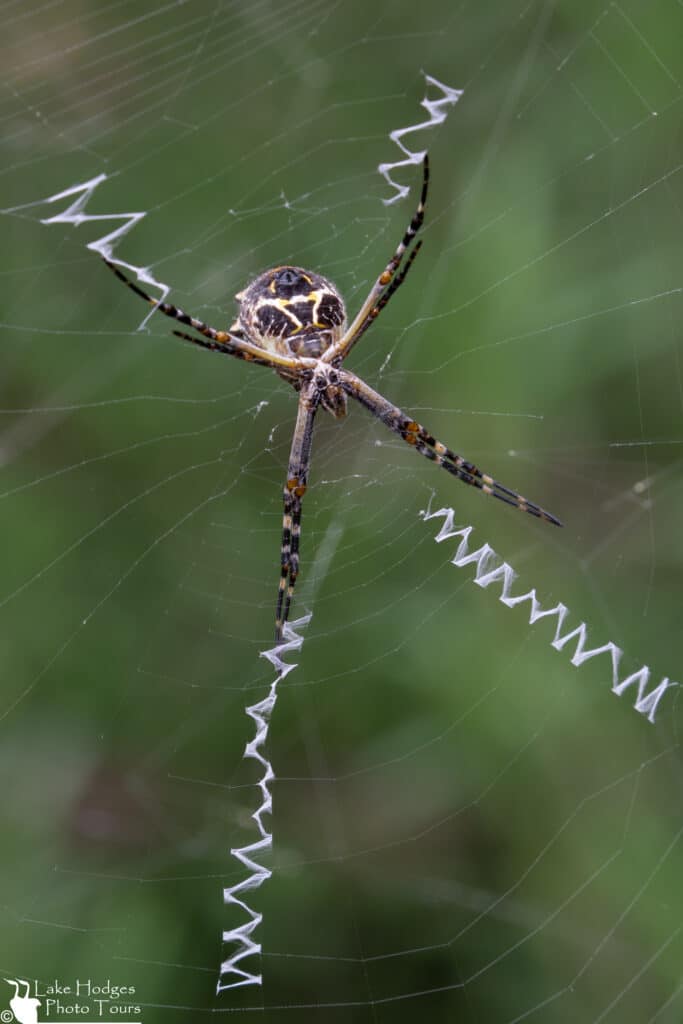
<point>294,321</point>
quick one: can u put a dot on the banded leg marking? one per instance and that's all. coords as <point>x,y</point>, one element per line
<point>294,490</point>
<point>414,434</point>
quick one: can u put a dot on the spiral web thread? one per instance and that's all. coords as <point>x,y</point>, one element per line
<point>438,111</point>
<point>491,569</point>
<point>232,974</point>
<point>80,195</point>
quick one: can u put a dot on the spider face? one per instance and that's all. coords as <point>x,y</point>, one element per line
<point>291,311</point>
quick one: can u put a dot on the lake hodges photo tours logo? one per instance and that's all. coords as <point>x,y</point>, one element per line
<point>81,999</point>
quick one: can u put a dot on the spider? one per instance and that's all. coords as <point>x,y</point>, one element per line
<point>294,321</point>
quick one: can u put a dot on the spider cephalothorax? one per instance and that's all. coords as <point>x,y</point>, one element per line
<point>294,321</point>
<point>291,311</point>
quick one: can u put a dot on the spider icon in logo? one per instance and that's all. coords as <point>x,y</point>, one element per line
<point>23,1008</point>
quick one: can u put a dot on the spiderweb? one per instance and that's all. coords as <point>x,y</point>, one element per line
<point>472,818</point>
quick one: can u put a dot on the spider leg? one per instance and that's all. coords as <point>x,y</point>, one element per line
<point>384,297</point>
<point>294,490</point>
<point>220,341</point>
<point>379,293</point>
<point>423,442</point>
<point>226,348</point>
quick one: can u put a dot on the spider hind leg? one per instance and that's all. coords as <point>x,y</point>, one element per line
<point>426,444</point>
<point>294,490</point>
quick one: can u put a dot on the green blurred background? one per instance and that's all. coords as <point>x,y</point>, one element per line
<point>466,827</point>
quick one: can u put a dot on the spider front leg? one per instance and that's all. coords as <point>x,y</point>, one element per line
<point>217,341</point>
<point>388,281</point>
<point>423,442</point>
<point>294,490</point>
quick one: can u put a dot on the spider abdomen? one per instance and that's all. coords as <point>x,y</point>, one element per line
<point>291,311</point>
